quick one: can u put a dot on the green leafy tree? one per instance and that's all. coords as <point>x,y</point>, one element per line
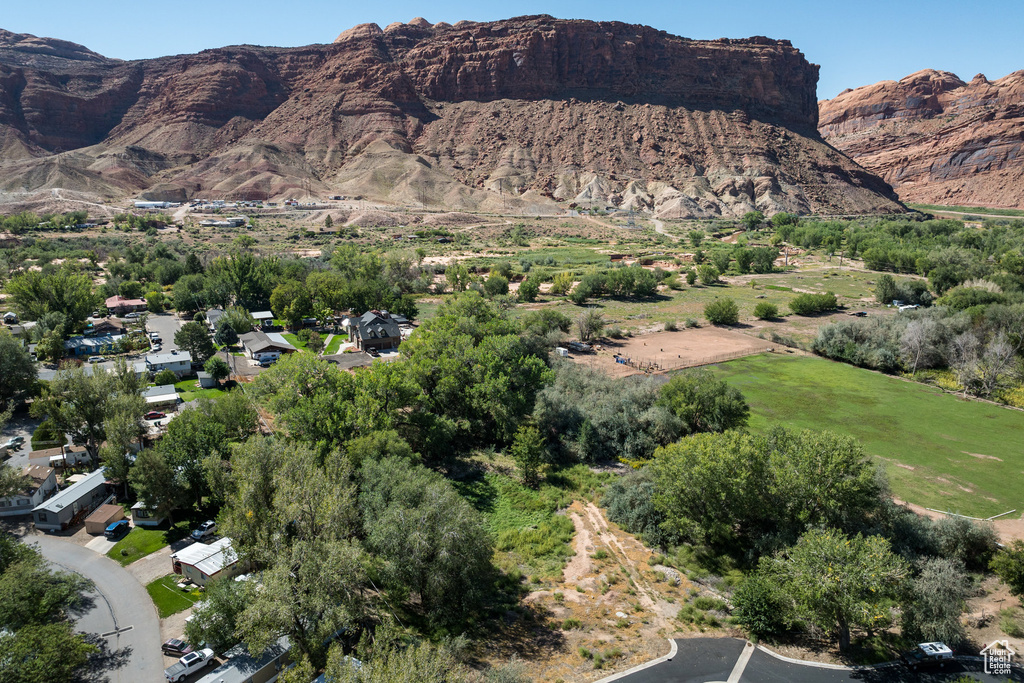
<point>811,304</point>
<point>155,482</point>
<point>238,319</point>
<point>766,311</point>
<point>191,438</point>
<point>155,302</point>
<point>885,288</point>
<point>496,284</point>
<point>193,338</point>
<point>44,653</point>
<point>188,293</point>
<point>123,428</point>
<point>722,311</point>
<point>705,404</point>
<point>782,218</point>
<point>67,290</point>
<point>18,379</point>
<point>217,368</point>
<point>752,220</point>
<point>761,607</point>
<point>51,346</point>
<point>291,302</point>
<point>589,324</point>
<point>225,335</point>
<point>164,377</point>
<point>744,258</point>
<point>712,487</point>
<point>691,277</point>
<point>457,277</point>
<point>721,260</point>
<point>708,274</point>
<point>79,404</point>
<point>529,289</point>
<point>696,237</point>
<point>315,343</point>
<point>33,594</point>
<point>935,601</point>
<point>528,452</point>
<point>1008,564</point>
<point>561,284</point>
<point>328,222</point>
<point>214,619</point>
<point>431,540</point>
<point>394,661</point>
<point>839,583</point>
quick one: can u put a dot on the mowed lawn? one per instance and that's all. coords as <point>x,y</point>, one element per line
<point>168,598</point>
<point>940,451</point>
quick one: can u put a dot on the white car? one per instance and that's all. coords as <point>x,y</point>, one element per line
<point>96,359</point>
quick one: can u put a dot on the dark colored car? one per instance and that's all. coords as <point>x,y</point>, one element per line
<point>154,415</point>
<point>117,529</point>
<point>374,353</point>
<point>176,647</point>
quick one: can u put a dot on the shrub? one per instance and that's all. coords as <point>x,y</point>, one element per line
<point>165,377</point>
<point>615,333</point>
<point>571,624</point>
<point>691,323</point>
<point>691,277</point>
<point>670,326</point>
<point>766,311</point>
<point>722,312</point>
<point>708,274</point>
<point>810,304</point>
<point>759,606</point>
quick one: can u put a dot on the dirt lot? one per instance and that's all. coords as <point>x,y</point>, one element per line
<point>661,351</point>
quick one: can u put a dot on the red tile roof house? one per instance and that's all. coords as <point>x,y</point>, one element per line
<point>118,304</point>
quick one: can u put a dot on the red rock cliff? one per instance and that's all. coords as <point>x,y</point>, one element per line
<point>531,108</point>
<point>934,138</point>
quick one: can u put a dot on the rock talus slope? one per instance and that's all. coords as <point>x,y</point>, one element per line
<point>935,138</point>
<point>524,114</point>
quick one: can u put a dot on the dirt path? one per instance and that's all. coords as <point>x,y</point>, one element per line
<point>659,228</point>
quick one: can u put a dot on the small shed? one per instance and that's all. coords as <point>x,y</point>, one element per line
<point>264,318</point>
<point>102,517</point>
<point>201,562</point>
<point>162,397</point>
<point>205,380</point>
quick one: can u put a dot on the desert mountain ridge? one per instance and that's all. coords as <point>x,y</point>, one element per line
<point>527,114</point>
<point>936,138</point>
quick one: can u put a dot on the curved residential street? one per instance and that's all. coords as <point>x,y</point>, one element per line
<point>123,614</point>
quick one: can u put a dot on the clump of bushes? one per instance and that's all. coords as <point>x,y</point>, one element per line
<point>722,312</point>
<point>766,311</point>
<point>810,304</point>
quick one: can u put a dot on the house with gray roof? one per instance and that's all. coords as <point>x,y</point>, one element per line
<point>376,330</point>
<point>259,344</point>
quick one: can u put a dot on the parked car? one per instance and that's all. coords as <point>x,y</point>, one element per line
<point>155,415</point>
<point>117,529</point>
<point>14,443</point>
<point>96,359</point>
<point>132,316</point>
<point>176,647</point>
<point>190,663</point>
<point>927,655</point>
<point>374,353</point>
<point>207,528</point>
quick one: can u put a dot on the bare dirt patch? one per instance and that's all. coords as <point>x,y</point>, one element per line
<point>663,351</point>
<point>982,456</point>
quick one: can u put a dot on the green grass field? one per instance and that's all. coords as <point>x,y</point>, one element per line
<point>940,451</point>
<point>188,391</point>
<point>168,598</point>
<point>294,341</point>
<point>982,210</point>
<point>336,342</point>
<point>137,544</point>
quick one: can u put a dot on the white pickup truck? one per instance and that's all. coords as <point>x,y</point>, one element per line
<point>190,663</point>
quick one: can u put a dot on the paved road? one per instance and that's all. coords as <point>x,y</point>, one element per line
<point>121,603</point>
<point>166,325</point>
<point>703,660</point>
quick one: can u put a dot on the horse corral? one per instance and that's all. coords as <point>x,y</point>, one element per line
<point>664,351</point>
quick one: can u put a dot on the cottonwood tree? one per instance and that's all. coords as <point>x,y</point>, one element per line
<point>67,290</point>
<point>123,428</point>
<point>18,378</point>
<point>79,404</point>
<point>1008,564</point>
<point>194,338</point>
<point>156,483</point>
<point>589,324</point>
<point>431,540</point>
<point>920,344</point>
<point>935,601</point>
<point>705,404</point>
<point>217,368</point>
<point>839,583</point>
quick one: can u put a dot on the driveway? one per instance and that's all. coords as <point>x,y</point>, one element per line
<point>704,660</point>
<point>123,614</point>
<point>20,425</point>
<point>166,325</point>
